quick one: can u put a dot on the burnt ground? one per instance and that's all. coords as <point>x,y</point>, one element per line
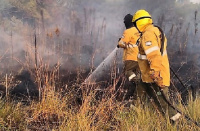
<point>25,87</point>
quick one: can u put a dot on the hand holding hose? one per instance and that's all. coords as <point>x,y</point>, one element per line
<point>118,44</point>
<point>155,75</point>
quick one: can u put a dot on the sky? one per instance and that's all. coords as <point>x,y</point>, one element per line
<point>195,1</point>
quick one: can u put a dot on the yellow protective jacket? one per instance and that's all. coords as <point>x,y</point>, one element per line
<point>128,42</point>
<point>150,58</point>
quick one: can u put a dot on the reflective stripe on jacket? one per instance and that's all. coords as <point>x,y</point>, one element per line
<point>128,42</point>
<point>150,58</point>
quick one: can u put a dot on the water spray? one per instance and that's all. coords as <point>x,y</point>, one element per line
<point>100,70</point>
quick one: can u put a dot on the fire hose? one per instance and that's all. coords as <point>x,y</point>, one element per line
<point>178,78</point>
<point>184,89</point>
<point>171,105</point>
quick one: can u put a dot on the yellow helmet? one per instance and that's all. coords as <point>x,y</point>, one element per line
<point>141,19</point>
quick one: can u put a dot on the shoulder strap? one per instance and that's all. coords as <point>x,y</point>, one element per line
<point>162,39</point>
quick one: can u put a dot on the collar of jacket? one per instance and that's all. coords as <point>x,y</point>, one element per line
<point>147,27</point>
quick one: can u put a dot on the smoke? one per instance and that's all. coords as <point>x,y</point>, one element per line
<point>81,33</point>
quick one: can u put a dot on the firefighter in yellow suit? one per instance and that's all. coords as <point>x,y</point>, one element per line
<point>153,61</point>
<point>128,43</point>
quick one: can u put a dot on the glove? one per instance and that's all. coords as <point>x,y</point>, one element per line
<point>160,83</point>
<point>155,75</point>
<point>118,41</point>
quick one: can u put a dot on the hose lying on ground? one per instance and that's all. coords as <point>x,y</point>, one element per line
<point>171,105</point>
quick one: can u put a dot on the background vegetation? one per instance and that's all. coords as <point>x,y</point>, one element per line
<point>48,48</point>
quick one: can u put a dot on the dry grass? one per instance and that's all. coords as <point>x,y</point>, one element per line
<point>57,112</point>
